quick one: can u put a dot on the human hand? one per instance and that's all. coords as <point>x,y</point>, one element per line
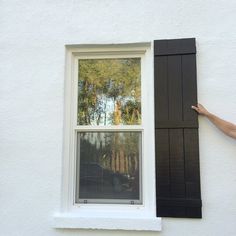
<point>201,109</point>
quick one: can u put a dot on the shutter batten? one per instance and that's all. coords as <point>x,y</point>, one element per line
<point>174,47</point>
<point>176,129</point>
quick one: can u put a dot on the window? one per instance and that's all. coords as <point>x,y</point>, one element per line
<point>109,158</point>
<point>109,163</point>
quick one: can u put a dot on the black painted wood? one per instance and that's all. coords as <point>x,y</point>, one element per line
<point>176,129</point>
<point>174,47</point>
<point>161,98</point>
<point>163,163</point>
<point>175,124</point>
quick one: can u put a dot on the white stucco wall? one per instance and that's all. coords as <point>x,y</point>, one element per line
<point>32,60</point>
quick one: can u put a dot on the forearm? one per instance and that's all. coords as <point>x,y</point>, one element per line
<point>225,126</point>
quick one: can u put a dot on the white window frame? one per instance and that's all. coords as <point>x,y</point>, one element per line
<point>109,216</point>
<point>115,128</point>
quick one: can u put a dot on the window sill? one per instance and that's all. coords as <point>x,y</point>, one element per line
<point>77,222</point>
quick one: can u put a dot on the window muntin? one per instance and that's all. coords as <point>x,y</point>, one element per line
<point>108,97</point>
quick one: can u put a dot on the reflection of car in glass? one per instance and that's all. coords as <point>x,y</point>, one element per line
<point>92,174</point>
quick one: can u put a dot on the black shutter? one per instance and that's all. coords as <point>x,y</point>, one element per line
<point>176,129</point>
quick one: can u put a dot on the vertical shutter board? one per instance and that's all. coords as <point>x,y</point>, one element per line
<point>189,87</point>
<point>193,190</point>
<point>191,155</point>
<point>162,161</point>
<point>177,175</point>
<point>175,88</point>
<point>192,173</point>
<point>161,88</point>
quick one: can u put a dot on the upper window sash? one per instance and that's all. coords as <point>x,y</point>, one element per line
<point>105,55</point>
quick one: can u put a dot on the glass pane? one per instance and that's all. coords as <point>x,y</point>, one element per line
<point>109,91</point>
<point>108,168</point>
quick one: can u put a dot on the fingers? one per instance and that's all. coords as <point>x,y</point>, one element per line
<point>200,109</point>
<point>200,105</point>
<point>195,108</point>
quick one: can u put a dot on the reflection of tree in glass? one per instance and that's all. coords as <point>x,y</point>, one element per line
<point>117,151</point>
<point>109,163</point>
<point>131,112</point>
<point>109,91</point>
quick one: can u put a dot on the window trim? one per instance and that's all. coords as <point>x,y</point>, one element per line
<point>147,211</point>
<point>106,128</point>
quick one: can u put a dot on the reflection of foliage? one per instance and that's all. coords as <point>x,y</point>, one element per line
<point>131,112</point>
<point>103,82</point>
<point>117,151</point>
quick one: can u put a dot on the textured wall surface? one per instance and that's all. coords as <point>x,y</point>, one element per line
<point>32,59</point>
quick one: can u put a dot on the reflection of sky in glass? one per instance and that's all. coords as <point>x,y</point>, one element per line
<point>109,106</point>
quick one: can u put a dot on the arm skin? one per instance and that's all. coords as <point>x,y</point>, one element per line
<point>225,126</point>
